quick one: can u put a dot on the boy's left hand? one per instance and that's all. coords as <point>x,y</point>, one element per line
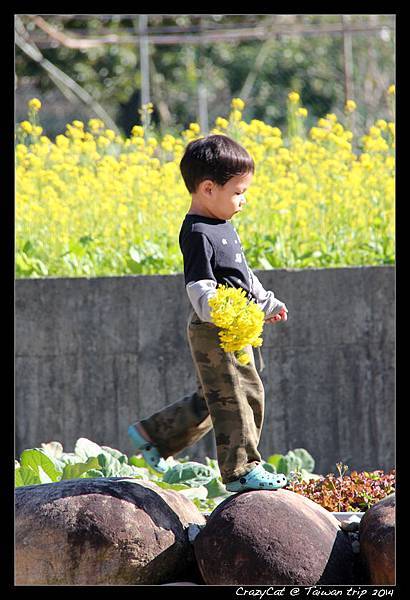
<point>281,316</point>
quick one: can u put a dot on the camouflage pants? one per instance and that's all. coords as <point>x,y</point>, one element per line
<point>230,398</point>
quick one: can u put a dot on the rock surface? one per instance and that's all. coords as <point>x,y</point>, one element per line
<point>377,542</point>
<point>181,583</point>
<point>263,537</point>
<point>111,531</point>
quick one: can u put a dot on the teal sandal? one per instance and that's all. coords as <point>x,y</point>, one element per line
<point>257,479</point>
<point>149,452</point>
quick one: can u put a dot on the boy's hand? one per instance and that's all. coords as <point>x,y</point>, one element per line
<point>281,316</point>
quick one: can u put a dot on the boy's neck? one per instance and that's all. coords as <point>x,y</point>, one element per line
<point>198,208</point>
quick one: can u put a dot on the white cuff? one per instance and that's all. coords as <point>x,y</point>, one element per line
<point>199,292</point>
<point>265,299</point>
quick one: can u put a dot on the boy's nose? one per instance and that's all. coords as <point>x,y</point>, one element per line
<point>242,199</point>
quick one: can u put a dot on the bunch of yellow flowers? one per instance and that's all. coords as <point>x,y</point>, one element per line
<point>241,321</point>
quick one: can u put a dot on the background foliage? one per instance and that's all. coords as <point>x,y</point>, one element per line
<point>311,64</point>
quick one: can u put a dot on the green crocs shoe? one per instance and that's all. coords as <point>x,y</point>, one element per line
<point>149,452</point>
<point>257,479</point>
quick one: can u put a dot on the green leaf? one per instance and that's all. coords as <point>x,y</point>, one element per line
<point>135,254</point>
<point>199,493</point>
<point>192,473</point>
<point>26,476</point>
<point>69,458</point>
<point>116,453</point>
<point>86,239</point>
<point>37,457</point>
<point>109,465</point>
<point>172,486</point>
<point>213,463</point>
<point>307,459</point>
<point>53,449</point>
<point>74,471</point>
<point>44,478</point>
<point>137,461</point>
<point>264,263</point>
<point>268,467</point>
<point>131,471</point>
<point>86,448</point>
<point>274,459</point>
<point>28,248</point>
<point>91,473</point>
<point>216,488</point>
<point>112,467</point>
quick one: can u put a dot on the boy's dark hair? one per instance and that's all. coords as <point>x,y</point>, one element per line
<point>214,157</point>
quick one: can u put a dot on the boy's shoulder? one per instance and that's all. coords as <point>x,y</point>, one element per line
<point>206,225</point>
<point>214,230</point>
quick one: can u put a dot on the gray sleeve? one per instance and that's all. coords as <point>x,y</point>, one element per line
<point>199,293</point>
<point>265,299</point>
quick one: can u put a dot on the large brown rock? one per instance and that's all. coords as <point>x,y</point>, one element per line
<point>111,531</point>
<point>265,537</point>
<point>377,542</point>
<point>181,583</point>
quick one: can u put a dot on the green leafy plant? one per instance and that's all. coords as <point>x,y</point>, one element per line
<point>201,483</point>
<point>50,464</point>
<point>295,463</point>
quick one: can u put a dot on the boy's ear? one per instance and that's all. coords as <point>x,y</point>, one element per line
<point>207,187</point>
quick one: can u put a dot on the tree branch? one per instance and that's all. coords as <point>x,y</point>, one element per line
<point>61,79</point>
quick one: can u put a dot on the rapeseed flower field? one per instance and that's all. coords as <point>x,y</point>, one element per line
<point>93,203</point>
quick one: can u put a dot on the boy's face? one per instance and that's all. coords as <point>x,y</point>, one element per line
<point>223,202</point>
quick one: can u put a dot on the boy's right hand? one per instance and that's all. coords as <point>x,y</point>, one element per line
<point>282,315</point>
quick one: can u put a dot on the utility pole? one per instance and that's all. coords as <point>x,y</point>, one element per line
<point>202,90</point>
<point>144,59</point>
<point>347,59</point>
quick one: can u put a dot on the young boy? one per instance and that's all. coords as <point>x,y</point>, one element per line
<point>230,396</point>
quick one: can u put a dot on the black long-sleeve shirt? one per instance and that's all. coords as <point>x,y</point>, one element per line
<point>213,255</point>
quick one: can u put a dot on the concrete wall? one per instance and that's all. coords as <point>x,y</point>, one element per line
<point>93,355</point>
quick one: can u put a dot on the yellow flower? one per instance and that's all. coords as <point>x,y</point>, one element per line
<point>381,124</point>
<point>350,106</point>
<point>293,97</point>
<point>26,126</point>
<point>222,123</point>
<point>302,112</point>
<point>110,134</point>
<point>194,127</point>
<point>137,130</point>
<point>78,124</point>
<point>34,104</point>
<point>103,141</point>
<point>37,130</point>
<point>243,358</point>
<point>95,124</point>
<point>240,320</point>
<point>62,141</point>
<point>148,107</point>
<point>324,123</point>
<point>236,115</point>
<point>237,103</point>
<point>337,129</point>
<point>391,90</point>
<point>374,131</point>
